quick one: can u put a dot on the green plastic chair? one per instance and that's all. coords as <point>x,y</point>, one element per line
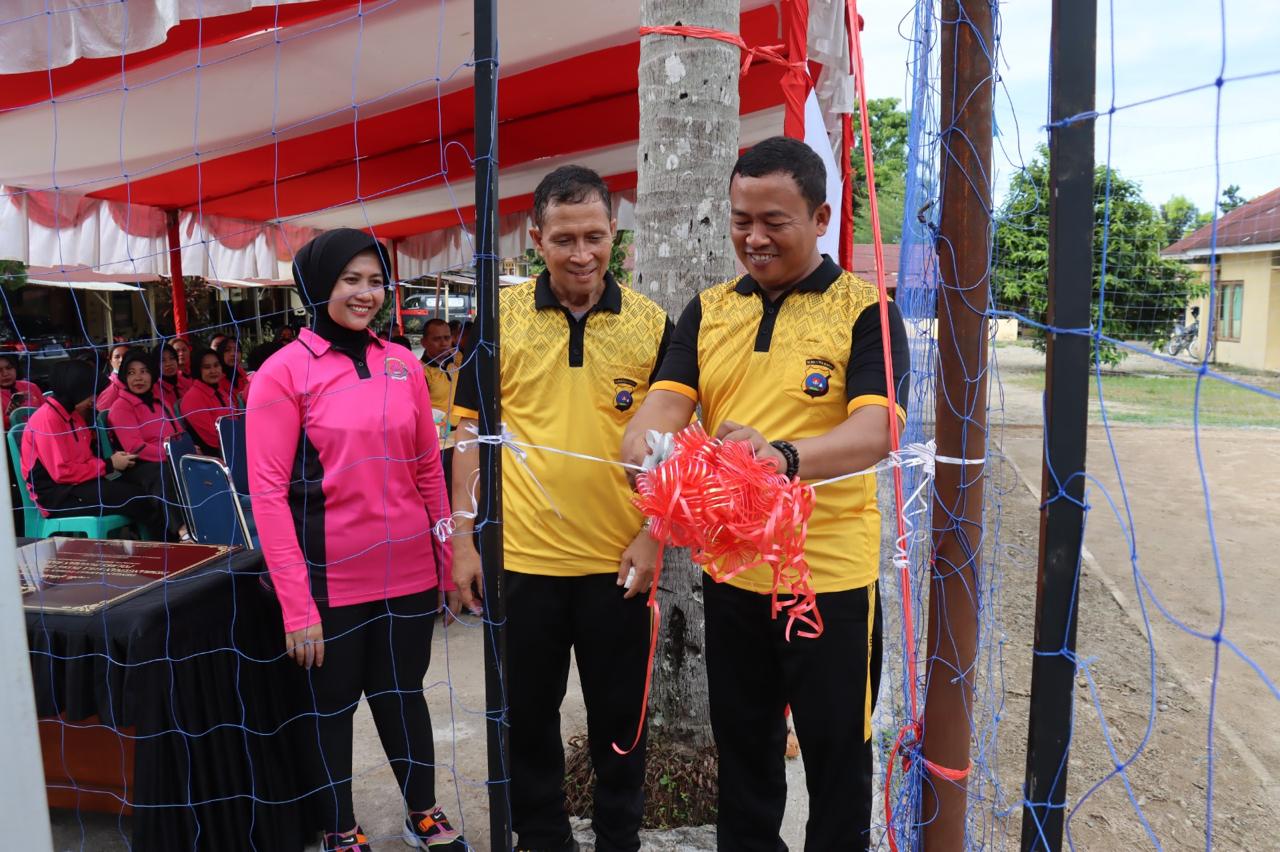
<point>36,525</point>
<point>105,449</point>
<point>20,415</point>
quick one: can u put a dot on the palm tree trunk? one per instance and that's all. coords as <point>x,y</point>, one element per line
<point>688,144</point>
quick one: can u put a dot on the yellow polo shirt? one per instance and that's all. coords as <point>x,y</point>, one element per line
<point>442,382</point>
<point>572,384</point>
<point>795,368</point>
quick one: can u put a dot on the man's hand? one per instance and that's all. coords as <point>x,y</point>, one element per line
<point>730,431</point>
<point>634,449</point>
<point>467,575</point>
<point>641,556</point>
<point>306,646</point>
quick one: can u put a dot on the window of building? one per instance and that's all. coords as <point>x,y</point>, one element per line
<point>1230,309</point>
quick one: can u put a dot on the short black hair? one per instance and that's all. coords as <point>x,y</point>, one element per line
<point>426,328</point>
<point>401,340</point>
<point>783,155</point>
<point>570,185</point>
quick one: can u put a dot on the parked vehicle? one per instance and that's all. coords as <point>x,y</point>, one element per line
<point>1186,338</point>
<point>415,310</point>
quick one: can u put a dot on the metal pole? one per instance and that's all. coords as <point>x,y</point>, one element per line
<point>964,251</point>
<point>395,283</point>
<point>489,525</point>
<point>175,275</point>
<point>1072,50</point>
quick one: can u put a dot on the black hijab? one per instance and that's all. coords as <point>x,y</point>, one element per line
<point>316,268</point>
<point>139,356</point>
<point>72,382</point>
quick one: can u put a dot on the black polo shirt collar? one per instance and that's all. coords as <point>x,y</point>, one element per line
<point>815,282</point>
<point>610,299</point>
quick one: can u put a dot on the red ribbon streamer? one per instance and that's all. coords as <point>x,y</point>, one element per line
<point>734,512</point>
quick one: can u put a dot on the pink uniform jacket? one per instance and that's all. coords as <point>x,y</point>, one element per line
<point>201,406</point>
<point>58,445</point>
<point>345,477</point>
<point>34,398</point>
<point>171,395</point>
<point>109,394</point>
<point>139,429</point>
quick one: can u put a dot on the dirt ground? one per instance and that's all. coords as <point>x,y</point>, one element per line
<point>1172,568</point>
<point>1165,783</point>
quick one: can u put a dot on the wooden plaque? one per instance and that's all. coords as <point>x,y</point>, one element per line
<point>82,576</point>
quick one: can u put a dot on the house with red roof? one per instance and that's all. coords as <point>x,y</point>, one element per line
<point>1243,247</point>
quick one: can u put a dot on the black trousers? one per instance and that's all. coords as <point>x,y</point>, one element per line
<point>156,479</point>
<point>381,649</point>
<point>105,497</point>
<point>609,636</point>
<point>753,673</point>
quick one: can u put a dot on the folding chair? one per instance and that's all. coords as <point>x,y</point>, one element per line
<point>216,514</point>
<point>175,447</point>
<point>231,435</point>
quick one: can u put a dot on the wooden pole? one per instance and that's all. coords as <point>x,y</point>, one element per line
<point>1072,50</point>
<point>964,252</point>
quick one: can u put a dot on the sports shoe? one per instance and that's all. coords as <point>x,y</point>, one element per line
<point>353,842</point>
<point>431,830</point>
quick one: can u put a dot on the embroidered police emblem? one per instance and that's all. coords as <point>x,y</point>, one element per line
<point>622,396</point>
<point>817,380</point>
<point>394,368</point>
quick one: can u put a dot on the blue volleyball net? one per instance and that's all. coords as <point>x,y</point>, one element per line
<point>1172,668</point>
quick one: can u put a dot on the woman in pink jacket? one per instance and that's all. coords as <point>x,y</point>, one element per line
<point>109,393</point>
<point>15,392</point>
<point>205,400</point>
<point>348,491</point>
<point>140,422</point>
<point>60,464</point>
<point>172,382</point>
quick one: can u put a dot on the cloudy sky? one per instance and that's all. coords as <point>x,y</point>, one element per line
<point>1159,47</point>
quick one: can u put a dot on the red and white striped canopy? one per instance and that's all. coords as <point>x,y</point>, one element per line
<point>328,112</point>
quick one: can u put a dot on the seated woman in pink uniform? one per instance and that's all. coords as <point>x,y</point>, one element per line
<point>171,382</point>
<point>108,394</point>
<point>344,468</point>
<point>205,401</point>
<point>140,421</point>
<point>15,392</point>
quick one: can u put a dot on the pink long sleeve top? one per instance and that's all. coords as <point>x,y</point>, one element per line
<point>22,386</point>
<point>345,477</point>
<point>201,406</point>
<point>139,428</point>
<point>110,393</point>
<point>58,449</point>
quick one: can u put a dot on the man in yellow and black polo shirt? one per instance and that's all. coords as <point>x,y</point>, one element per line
<point>578,354</point>
<point>790,353</point>
<point>440,363</point>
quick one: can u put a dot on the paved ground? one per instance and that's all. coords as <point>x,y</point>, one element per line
<point>455,692</point>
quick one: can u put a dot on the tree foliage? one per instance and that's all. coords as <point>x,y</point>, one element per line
<point>889,128</point>
<point>1145,293</point>
<point>1180,217</point>
<point>1231,198</point>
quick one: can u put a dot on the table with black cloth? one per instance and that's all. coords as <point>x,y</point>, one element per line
<point>194,666</point>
